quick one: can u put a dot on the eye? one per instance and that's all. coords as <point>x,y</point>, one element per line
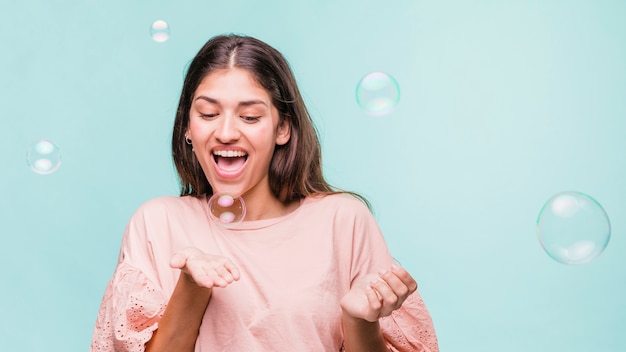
<point>208,116</point>
<point>250,118</point>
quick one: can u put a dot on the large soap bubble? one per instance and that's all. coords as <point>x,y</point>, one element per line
<point>377,94</point>
<point>44,157</point>
<point>573,228</point>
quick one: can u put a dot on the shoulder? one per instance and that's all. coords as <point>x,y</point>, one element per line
<point>161,209</point>
<point>165,204</point>
<point>343,204</point>
<point>157,219</point>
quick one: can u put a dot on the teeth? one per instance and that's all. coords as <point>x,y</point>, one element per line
<point>229,153</point>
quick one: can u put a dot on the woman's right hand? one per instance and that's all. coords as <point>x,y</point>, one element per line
<point>204,269</point>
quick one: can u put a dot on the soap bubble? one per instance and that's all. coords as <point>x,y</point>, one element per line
<point>160,31</point>
<point>226,210</point>
<point>573,228</point>
<point>377,94</point>
<point>44,157</point>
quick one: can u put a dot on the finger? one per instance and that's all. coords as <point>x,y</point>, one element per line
<point>373,300</point>
<point>388,297</point>
<point>178,260</point>
<point>228,272</point>
<point>233,269</point>
<point>219,281</point>
<point>222,277</point>
<point>204,280</point>
<point>395,283</point>
<point>405,277</point>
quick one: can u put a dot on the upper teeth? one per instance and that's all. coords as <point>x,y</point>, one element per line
<point>229,153</point>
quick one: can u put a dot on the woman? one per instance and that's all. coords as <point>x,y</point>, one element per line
<point>308,269</point>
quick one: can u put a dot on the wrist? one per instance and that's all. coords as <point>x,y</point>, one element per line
<point>361,334</point>
<point>356,321</point>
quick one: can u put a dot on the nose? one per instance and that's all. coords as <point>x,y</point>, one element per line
<point>227,130</point>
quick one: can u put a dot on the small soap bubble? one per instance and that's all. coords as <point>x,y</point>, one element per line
<point>377,94</point>
<point>44,157</point>
<point>160,31</point>
<point>226,210</point>
<point>573,228</point>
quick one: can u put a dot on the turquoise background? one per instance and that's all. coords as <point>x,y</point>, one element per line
<point>503,104</point>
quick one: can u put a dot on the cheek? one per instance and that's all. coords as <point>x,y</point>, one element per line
<point>265,137</point>
<point>192,126</point>
<point>197,129</point>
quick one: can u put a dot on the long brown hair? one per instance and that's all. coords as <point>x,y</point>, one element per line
<point>296,167</point>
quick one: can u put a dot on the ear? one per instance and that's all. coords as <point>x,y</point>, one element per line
<point>283,132</point>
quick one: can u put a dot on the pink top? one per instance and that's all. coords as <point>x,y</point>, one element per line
<point>294,271</point>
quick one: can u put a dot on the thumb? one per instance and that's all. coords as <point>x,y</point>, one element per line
<point>178,260</point>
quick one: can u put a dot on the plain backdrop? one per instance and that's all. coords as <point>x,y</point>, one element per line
<point>502,105</point>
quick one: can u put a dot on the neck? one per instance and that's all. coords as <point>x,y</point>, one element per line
<point>260,208</point>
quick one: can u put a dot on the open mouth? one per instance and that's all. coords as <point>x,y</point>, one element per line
<point>229,161</point>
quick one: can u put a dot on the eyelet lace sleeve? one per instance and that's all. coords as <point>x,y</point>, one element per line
<point>410,327</point>
<point>130,311</point>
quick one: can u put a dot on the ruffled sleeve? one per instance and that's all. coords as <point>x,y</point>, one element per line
<point>129,313</point>
<point>410,327</point>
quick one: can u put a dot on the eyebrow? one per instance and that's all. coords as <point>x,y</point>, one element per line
<point>241,103</point>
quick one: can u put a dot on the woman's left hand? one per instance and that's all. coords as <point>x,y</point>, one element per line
<point>374,296</point>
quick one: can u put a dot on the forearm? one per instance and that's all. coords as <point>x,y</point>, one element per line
<point>362,336</point>
<point>180,325</point>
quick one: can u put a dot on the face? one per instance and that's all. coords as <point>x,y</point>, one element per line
<point>234,129</point>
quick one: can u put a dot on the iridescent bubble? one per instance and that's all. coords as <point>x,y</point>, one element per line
<point>226,210</point>
<point>573,228</point>
<point>44,157</point>
<point>377,94</point>
<point>160,31</point>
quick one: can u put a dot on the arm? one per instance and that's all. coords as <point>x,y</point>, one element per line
<point>362,335</point>
<point>370,298</point>
<point>180,325</point>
